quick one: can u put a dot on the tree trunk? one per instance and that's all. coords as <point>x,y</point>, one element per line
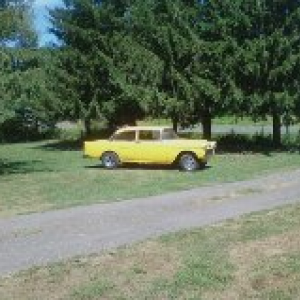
<point>175,123</point>
<point>276,129</point>
<point>87,126</point>
<point>206,122</point>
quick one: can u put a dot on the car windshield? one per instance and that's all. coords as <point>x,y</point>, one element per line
<point>169,134</point>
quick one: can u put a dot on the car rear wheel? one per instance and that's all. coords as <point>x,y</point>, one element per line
<point>110,160</point>
<point>188,162</point>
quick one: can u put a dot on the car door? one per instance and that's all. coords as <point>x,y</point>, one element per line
<point>124,144</point>
<point>150,147</point>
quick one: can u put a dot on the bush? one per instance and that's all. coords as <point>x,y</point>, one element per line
<point>15,130</point>
<point>256,143</point>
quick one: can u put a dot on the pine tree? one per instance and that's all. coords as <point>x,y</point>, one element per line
<point>269,60</point>
<point>213,90</point>
<point>162,28</point>
<point>196,55</point>
<point>97,61</point>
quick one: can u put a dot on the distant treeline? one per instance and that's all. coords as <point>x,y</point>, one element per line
<point>119,61</point>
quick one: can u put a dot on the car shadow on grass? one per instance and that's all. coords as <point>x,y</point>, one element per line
<point>148,167</point>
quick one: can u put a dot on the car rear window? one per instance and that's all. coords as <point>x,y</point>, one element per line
<point>169,134</point>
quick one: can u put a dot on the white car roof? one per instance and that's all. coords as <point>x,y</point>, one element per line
<point>126,128</point>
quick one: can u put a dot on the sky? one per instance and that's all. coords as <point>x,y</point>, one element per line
<point>41,19</point>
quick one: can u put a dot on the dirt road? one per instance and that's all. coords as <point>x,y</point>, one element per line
<point>42,238</point>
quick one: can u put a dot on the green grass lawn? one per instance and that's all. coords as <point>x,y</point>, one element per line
<point>254,257</point>
<point>44,175</point>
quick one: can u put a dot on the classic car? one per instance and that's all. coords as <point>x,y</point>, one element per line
<point>150,145</point>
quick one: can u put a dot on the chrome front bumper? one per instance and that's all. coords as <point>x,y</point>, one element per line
<point>210,150</point>
<point>211,147</point>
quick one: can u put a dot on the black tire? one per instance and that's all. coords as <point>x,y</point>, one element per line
<point>110,160</point>
<point>188,162</point>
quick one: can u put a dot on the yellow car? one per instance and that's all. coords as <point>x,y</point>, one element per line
<point>150,145</point>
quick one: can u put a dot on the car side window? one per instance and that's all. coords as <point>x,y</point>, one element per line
<point>149,135</point>
<point>169,134</point>
<point>128,136</point>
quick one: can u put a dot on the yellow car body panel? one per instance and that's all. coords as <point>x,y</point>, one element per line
<point>149,152</point>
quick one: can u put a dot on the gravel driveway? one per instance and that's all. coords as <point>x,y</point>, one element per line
<point>42,238</point>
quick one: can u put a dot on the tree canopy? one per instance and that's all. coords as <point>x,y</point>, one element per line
<point>188,61</point>
<point>269,59</point>
<point>23,72</point>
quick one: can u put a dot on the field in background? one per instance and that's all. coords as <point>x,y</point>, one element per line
<point>226,120</point>
<point>52,174</point>
<point>254,257</point>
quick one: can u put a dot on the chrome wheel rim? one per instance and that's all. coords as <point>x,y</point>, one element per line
<point>109,161</point>
<point>189,163</point>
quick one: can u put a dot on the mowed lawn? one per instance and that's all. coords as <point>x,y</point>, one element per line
<point>254,257</point>
<point>46,175</point>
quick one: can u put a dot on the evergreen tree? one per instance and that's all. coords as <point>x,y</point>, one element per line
<point>186,60</point>
<point>163,28</point>
<point>269,60</point>
<point>213,90</point>
<point>194,42</point>
<point>96,60</point>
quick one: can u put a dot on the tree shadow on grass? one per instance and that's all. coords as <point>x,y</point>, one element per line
<point>76,144</point>
<point>62,146</point>
<point>21,167</point>
<point>256,144</point>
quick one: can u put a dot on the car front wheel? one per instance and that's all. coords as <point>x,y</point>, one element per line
<point>110,160</point>
<point>188,162</point>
